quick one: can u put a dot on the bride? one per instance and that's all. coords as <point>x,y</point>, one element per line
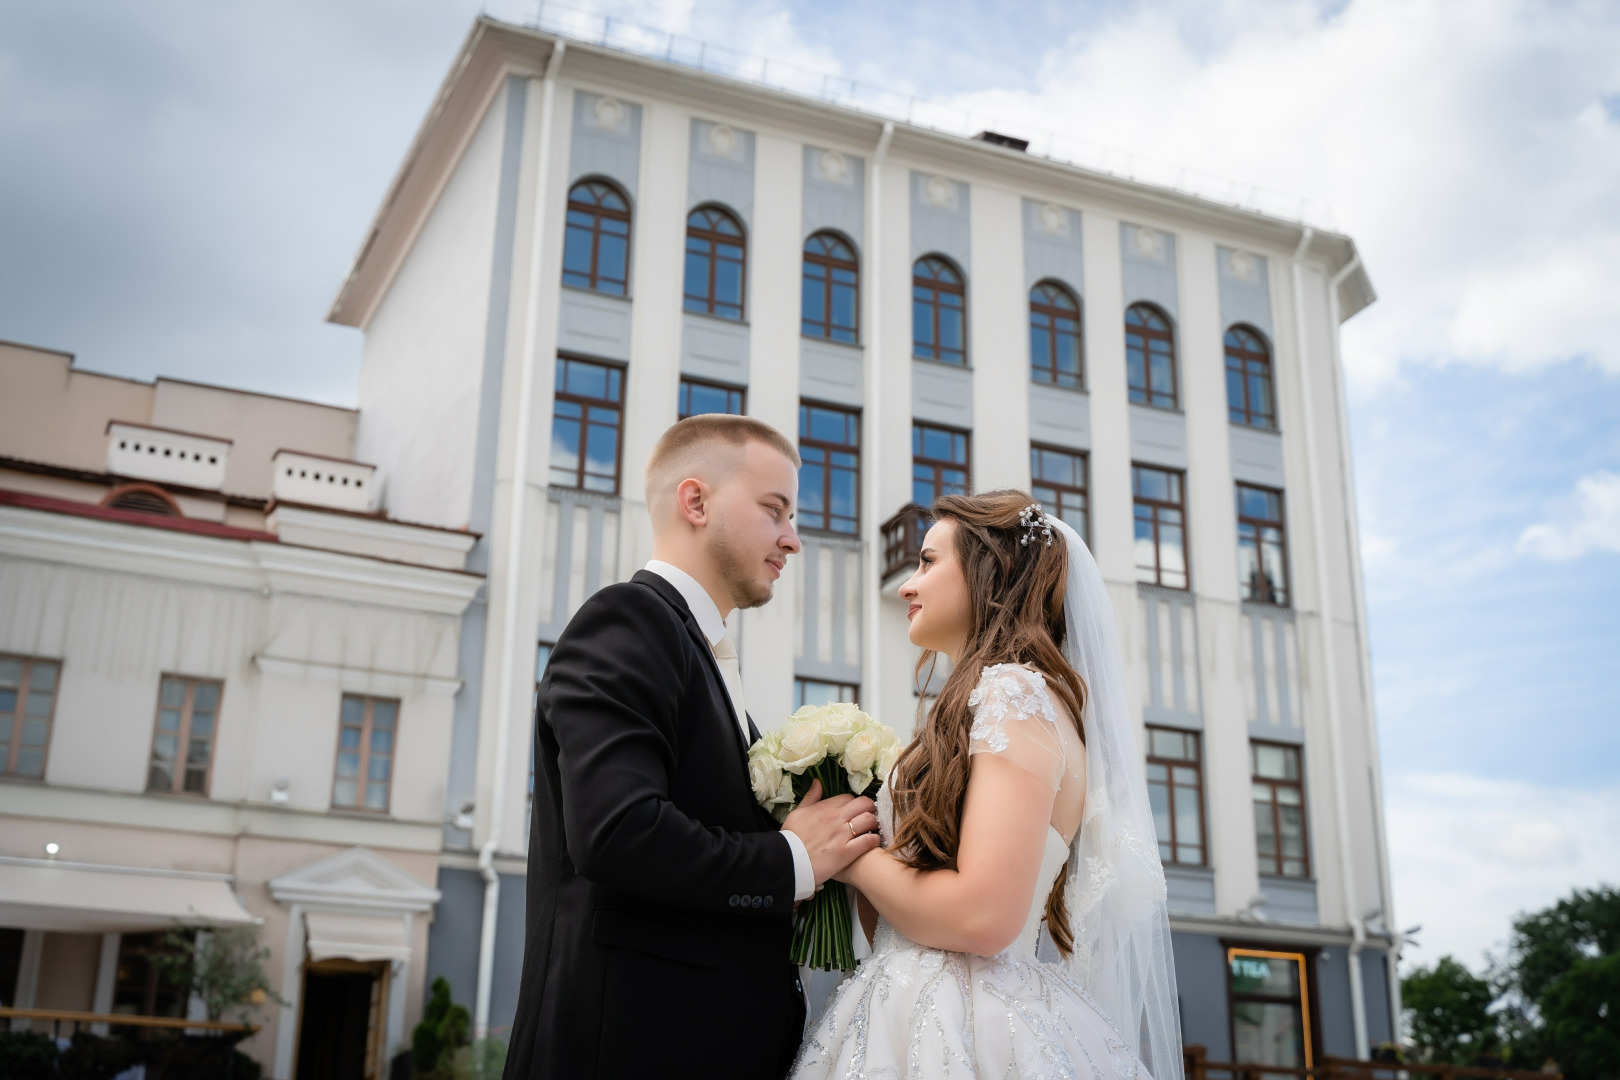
<point>1021,800</point>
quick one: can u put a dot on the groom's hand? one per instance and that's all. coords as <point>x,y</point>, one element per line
<point>835,831</point>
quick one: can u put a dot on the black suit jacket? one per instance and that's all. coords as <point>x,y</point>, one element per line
<point>660,897</point>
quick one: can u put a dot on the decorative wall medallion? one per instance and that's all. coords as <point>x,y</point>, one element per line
<point>1243,266</point>
<point>1149,243</point>
<point>723,140</point>
<point>608,114</point>
<point>832,167</point>
<point>939,192</point>
<point>1052,220</point>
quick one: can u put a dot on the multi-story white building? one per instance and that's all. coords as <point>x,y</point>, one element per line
<point>583,244</point>
<point>226,689</point>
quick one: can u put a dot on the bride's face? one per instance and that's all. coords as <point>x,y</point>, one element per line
<point>940,611</point>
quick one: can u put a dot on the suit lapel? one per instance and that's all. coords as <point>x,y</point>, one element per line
<point>674,599</point>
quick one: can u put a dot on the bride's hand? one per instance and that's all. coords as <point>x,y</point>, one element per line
<point>850,874</point>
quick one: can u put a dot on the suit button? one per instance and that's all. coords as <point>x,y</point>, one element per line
<point>758,901</point>
<point>768,900</point>
<point>735,900</point>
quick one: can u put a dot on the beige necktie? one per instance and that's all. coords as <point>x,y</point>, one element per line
<point>725,654</point>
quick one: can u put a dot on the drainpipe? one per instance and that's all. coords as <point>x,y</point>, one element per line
<point>1358,1004</point>
<point>874,396</point>
<point>514,548</point>
<point>1353,544</point>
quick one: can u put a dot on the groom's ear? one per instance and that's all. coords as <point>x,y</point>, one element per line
<point>692,501</point>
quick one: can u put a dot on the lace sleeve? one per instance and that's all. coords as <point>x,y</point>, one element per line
<point>1013,718</point>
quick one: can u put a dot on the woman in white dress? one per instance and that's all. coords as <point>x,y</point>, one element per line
<point>1004,814</point>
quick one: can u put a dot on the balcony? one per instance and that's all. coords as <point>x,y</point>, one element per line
<point>902,540</point>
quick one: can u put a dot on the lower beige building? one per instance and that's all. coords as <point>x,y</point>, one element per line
<point>226,687</point>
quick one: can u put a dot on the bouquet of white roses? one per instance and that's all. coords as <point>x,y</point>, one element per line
<point>849,753</point>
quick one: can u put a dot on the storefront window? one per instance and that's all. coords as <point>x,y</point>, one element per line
<point>1270,1009</point>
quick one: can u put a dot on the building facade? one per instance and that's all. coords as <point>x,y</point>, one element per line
<point>226,690</point>
<point>583,245</point>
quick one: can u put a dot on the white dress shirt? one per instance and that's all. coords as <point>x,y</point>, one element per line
<point>714,628</point>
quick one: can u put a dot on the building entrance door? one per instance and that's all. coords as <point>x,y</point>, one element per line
<point>341,1033</point>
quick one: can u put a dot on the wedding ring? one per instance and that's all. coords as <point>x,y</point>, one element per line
<point>853,835</point>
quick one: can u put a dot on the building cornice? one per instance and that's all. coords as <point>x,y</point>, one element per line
<point>257,565</point>
<point>494,50</point>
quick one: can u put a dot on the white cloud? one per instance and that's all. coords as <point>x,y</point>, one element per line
<point>1463,143</point>
<point>1590,522</point>
<point>1469,853</point>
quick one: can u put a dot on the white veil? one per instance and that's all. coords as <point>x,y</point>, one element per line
<point>1116,891</point>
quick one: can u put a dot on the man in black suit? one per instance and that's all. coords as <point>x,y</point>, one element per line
<point>660,894</point>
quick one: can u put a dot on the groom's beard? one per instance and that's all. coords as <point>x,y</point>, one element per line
<point>743,588</point>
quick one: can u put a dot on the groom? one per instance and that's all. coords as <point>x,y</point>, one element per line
<point>660,894</point>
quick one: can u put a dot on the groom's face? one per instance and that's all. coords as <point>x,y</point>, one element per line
<point>751,532</point>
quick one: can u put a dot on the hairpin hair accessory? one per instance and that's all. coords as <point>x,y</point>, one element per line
<point>1032,519</point>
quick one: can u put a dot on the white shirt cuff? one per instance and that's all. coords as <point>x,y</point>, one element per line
<point>804,875</point>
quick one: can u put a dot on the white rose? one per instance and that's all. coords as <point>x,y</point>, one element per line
<point>765,776</point>
<point>799,745</point>
<point>862,750</point>
<point>836,728</point>
<point>782,805</point>
<point>858,781</point>
<point>886,759</point>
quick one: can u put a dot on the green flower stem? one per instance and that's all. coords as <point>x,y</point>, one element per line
<point>823,937</point>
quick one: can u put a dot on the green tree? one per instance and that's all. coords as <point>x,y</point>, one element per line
<point>1580,1013</point>
<point>442,1031</point>
<point>1448,1013</point>
<point>225,968</point>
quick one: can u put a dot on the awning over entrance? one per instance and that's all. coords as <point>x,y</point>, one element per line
<point>47,894</point>
<point>340,935</point>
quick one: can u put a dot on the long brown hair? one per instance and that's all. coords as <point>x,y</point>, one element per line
<point>1016,593</point>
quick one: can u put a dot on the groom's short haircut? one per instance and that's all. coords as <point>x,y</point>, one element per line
<point>708,444</point>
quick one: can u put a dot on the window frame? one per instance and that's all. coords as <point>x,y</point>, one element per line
<point>798,689</point>
<point>1150,335</point>
<point>966,465</point>
<point>1285,589</point>
<point>854,418</point>
<point>706,304</point>
<point>1245,359</point>
<point>20,716</point>
<point>183,737</point>
<point>829,265</point>
<point>1305,958</point>
<point>1049,367</point>
<point>586,403</point>
<point>1277,858</point>
<point>682,397</point>
<point>1083,490</point>
<point>360,777</point>
<point>938,287</point>
<point>1197,765</point>
<point>597,213</point>
<point>1157,505</point>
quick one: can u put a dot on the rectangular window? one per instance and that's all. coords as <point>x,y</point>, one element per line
<point>819,692</point>
<point>140,986</point>
<point>1161,526</point>
<point>27,704</point>
<point>1262,545</point>
<point>1058,482</point>
<point>587,416</point>
<point>1270,1008</point>
<point>830,476</point>
<point>1175,773</point>
<point>183,744</point>
<point>698,397</point>
<point>939,463</point>
<point>367,730</point>
<point>1279,809</point>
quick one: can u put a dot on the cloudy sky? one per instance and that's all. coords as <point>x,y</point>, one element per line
<point>182,187</point>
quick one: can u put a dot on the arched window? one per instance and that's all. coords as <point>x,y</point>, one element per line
<point>938,311</point>
<point>1150,356</point>
<point>1249,397</point>
<point>1054,336</point>
<point>596,247</point>
<point>143,499</point>
<point>714,263</point>
<point>831,289</point>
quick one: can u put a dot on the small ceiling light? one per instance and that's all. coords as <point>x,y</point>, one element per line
<point>52,848</point>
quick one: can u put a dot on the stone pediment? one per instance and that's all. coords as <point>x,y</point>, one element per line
<point>357,879</point>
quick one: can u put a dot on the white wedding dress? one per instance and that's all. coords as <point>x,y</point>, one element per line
<point>915,1012</point>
